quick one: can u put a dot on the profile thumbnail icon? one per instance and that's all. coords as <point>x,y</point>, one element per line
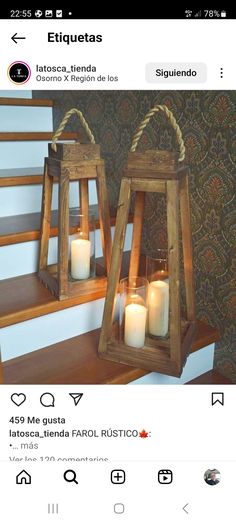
<point>212,477</point>
<point>19,72</point>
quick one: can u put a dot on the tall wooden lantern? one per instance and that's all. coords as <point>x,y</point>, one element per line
<point>150,331</point>
<point>70,162</point>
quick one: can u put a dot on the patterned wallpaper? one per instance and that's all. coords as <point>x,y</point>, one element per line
<point>208,123</point>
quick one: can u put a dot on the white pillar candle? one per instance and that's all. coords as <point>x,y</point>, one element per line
<point>80,258</point>
<point>135,324</point>
<point>158,308</point>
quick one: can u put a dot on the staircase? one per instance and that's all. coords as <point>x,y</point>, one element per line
<point>43,340</point>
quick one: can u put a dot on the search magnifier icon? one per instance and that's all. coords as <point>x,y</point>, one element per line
<point>70,476</point>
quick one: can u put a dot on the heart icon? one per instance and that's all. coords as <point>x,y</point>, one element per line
<point>18,398</point>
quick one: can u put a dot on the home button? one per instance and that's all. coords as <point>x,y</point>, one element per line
<point>23,477</point>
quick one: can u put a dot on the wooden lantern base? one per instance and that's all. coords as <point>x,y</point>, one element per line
<point>75,288</point>
<point>155,355</point>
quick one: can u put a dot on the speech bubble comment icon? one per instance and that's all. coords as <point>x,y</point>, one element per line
<point>47,400</point>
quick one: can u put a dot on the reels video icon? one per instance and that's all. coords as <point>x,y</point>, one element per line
<point>165,476</point>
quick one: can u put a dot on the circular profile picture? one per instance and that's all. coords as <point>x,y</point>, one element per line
<point>212,477</point>
<point>19,72</point>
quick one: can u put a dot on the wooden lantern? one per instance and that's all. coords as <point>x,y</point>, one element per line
<point>158,172</point>
<point>69,162</point>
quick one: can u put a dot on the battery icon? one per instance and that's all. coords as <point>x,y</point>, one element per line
<point>223,14</point>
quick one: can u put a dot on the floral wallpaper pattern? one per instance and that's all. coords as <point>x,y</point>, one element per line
<point>208,123</point>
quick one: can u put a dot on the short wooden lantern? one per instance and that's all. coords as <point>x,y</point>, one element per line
<point>130,339</point>
<point>70,162</point>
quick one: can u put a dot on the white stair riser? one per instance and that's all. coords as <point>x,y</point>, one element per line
<point>20,200</point>
<point>22,154</point>
<point>14,118</point>
<point>37,333</point>
<point>21,259</point>
<point>16,93</point>
<point>197,363</point>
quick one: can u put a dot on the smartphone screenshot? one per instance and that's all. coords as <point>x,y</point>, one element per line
<point>117,266</point>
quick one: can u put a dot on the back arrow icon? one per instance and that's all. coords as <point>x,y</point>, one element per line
<point>184,508</point>
<point>15,38</point>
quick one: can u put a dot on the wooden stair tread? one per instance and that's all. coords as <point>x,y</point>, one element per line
<point>76,361</point>
<point>24,228</point>
<point>21,176</point>
<point>35,135</point>
<point>25,297</point>
<point>35,102</point>
<point>211,377</point>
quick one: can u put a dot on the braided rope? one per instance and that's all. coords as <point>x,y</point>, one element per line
<point>63,123</point>
<point>173,122</point>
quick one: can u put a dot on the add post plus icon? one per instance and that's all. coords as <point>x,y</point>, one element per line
<point>118,476</point>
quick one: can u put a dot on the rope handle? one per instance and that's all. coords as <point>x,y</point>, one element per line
<point>63,123</point>
<point>173,122</point>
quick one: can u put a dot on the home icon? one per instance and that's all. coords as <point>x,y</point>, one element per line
<point>23,477</point>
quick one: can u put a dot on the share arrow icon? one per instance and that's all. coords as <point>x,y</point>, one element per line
<point>76,397</point>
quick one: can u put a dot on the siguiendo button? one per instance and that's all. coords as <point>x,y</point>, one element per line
<point>176,73</point>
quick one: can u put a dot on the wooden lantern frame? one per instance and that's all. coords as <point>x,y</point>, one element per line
<point>72,162</point>
<point>158,172</point>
